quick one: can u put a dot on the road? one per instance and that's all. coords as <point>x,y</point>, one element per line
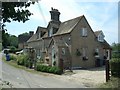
<point>22,79</point>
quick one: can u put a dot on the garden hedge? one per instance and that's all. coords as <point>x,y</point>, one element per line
<point>115,67</point>
<point>49,69</point>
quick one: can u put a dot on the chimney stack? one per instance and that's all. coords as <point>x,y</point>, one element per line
<point>31,33</point>
<point>55,14</point>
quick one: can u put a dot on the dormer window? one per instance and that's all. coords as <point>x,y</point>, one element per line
<point>50,32</point>
<point>42,34</point>
<point>101,37</point>
<point>84,32</point>
<point>38,35</point>
<point>55,30</point>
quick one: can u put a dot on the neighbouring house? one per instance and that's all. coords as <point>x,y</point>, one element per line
<point>22,39</point>
<point>70,44</point>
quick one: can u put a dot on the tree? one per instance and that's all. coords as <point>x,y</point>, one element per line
<point>115,50</point>
<point>5,39</point>
<point>13,41</point>
<point>25,34</point>
<point>14,11</point>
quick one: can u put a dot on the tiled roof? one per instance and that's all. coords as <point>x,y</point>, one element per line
<point>67,26</point>
<point>105,45</point>
<point>97,32</point>
<point>34,37</point>
<point>58,42</point>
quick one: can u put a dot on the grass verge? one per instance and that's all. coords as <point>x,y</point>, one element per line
<point>14,64</point>
<point>113,83</point>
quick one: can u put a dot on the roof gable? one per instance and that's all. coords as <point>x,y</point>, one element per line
<point>57,42</point>
<point>97,33</point>
<point>39,29</point>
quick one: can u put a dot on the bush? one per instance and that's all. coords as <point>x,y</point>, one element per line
<point>13,57</point>
<point>48,69</point>
<point>116,54</point>
<point>115,67</point>
<point>23,59</point>
<point>12,49</point>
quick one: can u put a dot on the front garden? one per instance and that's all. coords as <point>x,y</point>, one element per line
<point>25,61</point>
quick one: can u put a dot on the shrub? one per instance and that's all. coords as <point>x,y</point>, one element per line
<point>115,67</point>
<point>116,54</point>
<point>12,49</point>
<point>48,69</point>
<point>23,59</point>
<point>13,57</point>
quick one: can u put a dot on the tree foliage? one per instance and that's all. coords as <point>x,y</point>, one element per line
<point>13,11</point>
<point>9,40</point>
<point>116,50</point>
<point>16,11</point>
<point>25,34</point>
<point>13,41</point>
<point>5,39</point>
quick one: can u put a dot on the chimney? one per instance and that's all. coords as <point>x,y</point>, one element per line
<point>31,33</point>
<point>54,14</point>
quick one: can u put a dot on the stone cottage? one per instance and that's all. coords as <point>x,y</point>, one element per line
<point>71,44</point>
<point>22,39</point>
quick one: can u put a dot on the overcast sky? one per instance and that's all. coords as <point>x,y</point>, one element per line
<point>100,15</point>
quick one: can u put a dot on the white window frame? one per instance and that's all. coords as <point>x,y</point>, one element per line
<point>84,32</point>
<point>84,52</point>
<point>63,51</point>
<point>50,32</point>
<point>97,50</point>
<point>101,37</point>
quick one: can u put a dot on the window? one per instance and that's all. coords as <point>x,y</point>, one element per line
<point>84,53</point>
<point>50,32</point>
<point>97,50</point>
<point>101,37</point>
<point>84,32</point>
<point>55,30</point>
<point>42,33</point>
<point>63,51</point>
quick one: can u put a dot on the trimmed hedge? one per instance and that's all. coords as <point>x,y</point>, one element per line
<point>115,67</point>
<point>48,69</point>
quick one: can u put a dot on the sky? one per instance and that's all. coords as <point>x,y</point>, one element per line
<point>100,14</point>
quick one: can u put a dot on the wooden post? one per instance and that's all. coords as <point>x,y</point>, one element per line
<point>107,70</point>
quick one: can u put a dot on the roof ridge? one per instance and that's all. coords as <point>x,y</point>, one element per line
<point>72,19</point>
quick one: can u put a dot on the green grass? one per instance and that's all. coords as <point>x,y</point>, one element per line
<point>114,82</point>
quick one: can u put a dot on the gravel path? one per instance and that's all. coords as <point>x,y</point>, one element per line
<point>90,77</point>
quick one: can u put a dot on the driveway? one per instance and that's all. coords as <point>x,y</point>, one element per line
<point>89,77</point>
